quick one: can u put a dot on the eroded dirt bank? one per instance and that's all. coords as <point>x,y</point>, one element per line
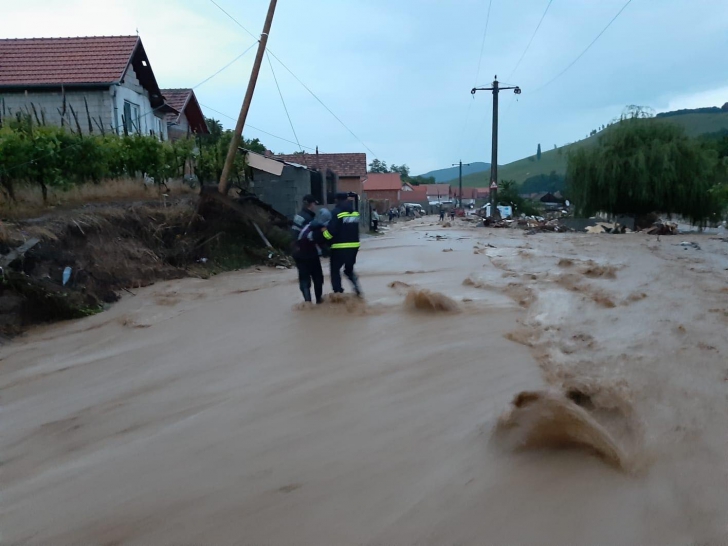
<point>214,412</point>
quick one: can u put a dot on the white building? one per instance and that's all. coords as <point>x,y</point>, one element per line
<point>101,84</point>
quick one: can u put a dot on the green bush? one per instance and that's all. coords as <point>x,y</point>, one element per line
<point>57,157</point>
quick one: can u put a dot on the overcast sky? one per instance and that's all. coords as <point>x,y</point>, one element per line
<point>399,73</point>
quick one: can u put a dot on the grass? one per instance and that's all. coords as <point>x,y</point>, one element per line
<point>551,160</point>
<point>29,200</point>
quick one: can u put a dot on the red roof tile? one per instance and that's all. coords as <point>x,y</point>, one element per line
<point>65,61</point>
<point>342,164</point>
<point>383,182</point>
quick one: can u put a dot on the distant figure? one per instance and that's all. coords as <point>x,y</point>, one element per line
<point>452,214</point>
<point>375,220</point>
<point>391,215</point>
<point>343,236</point>
<point>407,212</point>
<point>442,214</point>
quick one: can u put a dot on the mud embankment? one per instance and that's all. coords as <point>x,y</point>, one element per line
<point>87,258</point>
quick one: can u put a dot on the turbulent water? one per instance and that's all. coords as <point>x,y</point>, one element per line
<point>545,389</point>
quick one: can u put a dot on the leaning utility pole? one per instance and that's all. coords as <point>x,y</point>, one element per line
<point>460,204</point>
<point>494,151</point>
<point>224,185</point>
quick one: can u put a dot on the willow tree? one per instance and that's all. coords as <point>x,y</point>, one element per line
<point>640,166</point>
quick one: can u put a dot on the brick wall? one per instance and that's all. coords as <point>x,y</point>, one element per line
<point>393,196</point>
<point>350,184</point>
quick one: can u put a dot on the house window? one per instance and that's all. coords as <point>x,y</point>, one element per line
<point>132,119</point>
<point>159,128</point>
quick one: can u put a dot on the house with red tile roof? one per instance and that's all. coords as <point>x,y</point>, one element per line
<point>438,192</point>
<point>188,119</point>
<point>100,84</point>
<point>414,194</point>
<point>383,187</point>
<point>350,169</point>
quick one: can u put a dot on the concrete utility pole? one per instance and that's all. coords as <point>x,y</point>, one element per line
<point>224,185</point>
<point>494,150</point>
<point>460,204</point>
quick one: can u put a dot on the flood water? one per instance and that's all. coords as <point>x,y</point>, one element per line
<point>220,412</point>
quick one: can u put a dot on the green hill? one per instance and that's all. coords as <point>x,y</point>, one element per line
<point>450,173</point>
<point>695,124</point>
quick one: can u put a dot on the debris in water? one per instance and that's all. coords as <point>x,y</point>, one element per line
<point>565,262</point>
<point>66,275</point>
<point>447,249</point>
<point>398,284</point>
<point>595,270</point>
<point>427,300</point>
<point>547,420</point>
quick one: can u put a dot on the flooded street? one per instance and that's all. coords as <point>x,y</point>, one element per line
<point>220,412</point>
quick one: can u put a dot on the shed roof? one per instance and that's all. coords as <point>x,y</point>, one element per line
<point>345,164</point>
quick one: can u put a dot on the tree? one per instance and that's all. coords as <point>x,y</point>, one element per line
<point>403,171</point>
<point>508,195</point>
<point>377,166</point>
<point>642,166</point>
<point>538,152</point>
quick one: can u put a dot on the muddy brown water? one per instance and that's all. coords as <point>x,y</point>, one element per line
<point>219,412</point>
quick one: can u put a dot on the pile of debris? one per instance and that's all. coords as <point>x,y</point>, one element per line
<point>534,224</point>
<point>605,227</point>
<point>661,228</point>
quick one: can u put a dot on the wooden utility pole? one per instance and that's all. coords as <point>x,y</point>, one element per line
<point>494,149</point>
<point>460,202</point>
<point>224,185</point>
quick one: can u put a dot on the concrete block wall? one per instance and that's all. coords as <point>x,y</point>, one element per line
<point>284,193</point>
<point>100,106</point>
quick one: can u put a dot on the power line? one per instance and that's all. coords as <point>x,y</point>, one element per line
<point>255,128</point>
<point>585,50</point>
<point>482,45</point>
<point>225,67</point>
<point>234,20</point>
<point>299,80</point>
<point>322,104</point>
<point>282,100</point>
<point>530,41</point>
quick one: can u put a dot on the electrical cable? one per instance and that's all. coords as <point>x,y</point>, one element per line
<point>268,50</point>
<point>585,50</point>
<point>225,67</point>
<point>482,45</point>
<point>282,100</point>
<point>255,128</point>
<point>530,41</point>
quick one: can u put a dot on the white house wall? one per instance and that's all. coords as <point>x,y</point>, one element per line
<point>130,90</point>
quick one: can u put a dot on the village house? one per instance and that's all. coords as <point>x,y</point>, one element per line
<point>188,119</point>
<point>101,84</point>
<point>384,188</point>
<point>470,195</point>
<point>350,169</point>
<point>438,192</point>
<point>416,195</point>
